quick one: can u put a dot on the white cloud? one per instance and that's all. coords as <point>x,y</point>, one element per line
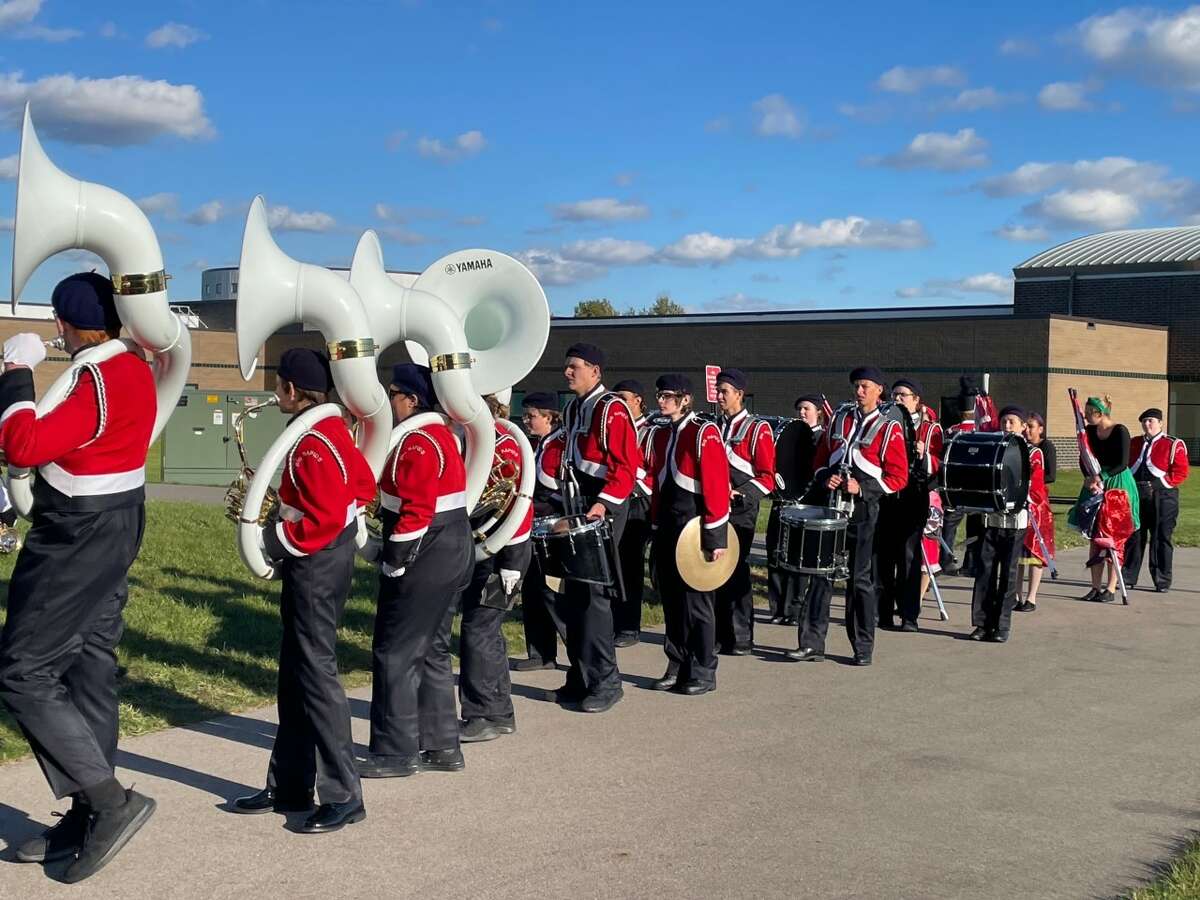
<point>208,213</point>
<point>940,152</point>
<point>50,35</point>
<point>914,79</point>
<point>162,203</point>
<point>469,143</point>
<point>872,113</point>
<point>1065,96</point>
<point>609,251</point>
<point>764,278</point>
<point>18,12</point>
<point>985,283</point>
<point>774,116</point>
<point>174,34</point>
<point>551,267</point>
<point>1022,233</point>
<point>975,99</point>
<point>116,111</point>
<point>736,302</point>
<point>704,247</point>
<point>8,167</point>
<point>1087,207</point>
<point>282,218</point>
<point>789,241</point>
<point>1018,47</point>
<point>600,209</point>
<point>1158,46</point>
<point>400,235</point>
<point>1145,180</point>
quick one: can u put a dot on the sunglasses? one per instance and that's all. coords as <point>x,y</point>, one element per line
<point>669,395</point>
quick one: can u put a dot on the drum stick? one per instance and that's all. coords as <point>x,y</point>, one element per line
<point>937,594</point>
<point>948,549</point>
<point>1112,554</point>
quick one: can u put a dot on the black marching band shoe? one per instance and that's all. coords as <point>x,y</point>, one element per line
<point>273,800</point>
<point>448,760</point>
<point>60,840</point>
<point>533,664</point>
<point>107,832</point>
<point>978,634</point>
<point>378,766</point>
<point>805,654</point>
<point>601,703</point>
<point>695,688</point>
<point>665,683</point>
<point>333,816</point>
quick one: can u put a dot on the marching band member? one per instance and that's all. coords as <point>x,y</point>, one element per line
<point>862,455</point>
<point>967,392</point>
<point>691,478</point>
<point>1159,464</point>
<point>600,465</point>
<point>544,424</point>
<point>997,580</point>
<point>750,446</point>
<point>427,560</point>
<point>325,482</point>
<point>627,617</point>
<point>1035,559</point>
<point>785,590</point>
<point>484,688</point>
<point>902,516</point>
<point>58,662</point>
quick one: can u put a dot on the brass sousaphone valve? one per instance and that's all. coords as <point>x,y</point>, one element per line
<point>235,496</point>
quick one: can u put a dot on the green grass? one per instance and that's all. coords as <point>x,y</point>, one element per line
<point>202,635</point>
<point>154,463</point>
<point>1180,881</point>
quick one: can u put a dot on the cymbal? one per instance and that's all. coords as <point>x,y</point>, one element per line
<point>698,572</point>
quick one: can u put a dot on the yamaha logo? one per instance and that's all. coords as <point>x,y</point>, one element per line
<point>471,265</point>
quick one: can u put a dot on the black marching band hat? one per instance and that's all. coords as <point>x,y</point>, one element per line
<point>85,300</point>
<point>589,353</point>
<point>674,381</point>
<point>306,369</point>
<point>409,378</point>
<point>868,373</point>
<point>1152,413</point>
<point>539,400</point>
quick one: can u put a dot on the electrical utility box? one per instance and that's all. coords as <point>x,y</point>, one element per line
<point>198,444</point>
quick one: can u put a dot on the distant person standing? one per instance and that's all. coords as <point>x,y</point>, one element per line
<point>1040,513</point>
<point>1159,465</point>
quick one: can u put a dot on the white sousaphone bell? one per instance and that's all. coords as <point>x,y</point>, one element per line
<point>274,291</point>
<point>483,320</point>
<point>56,212</point>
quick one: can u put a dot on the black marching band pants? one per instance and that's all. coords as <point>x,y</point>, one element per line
<point>484,688</point>
<point>58,661</point>
<point>412,693</point>
<point>735,598</point>
<point>997,579</point>
<point>313,747</point>
<point>899,555</point>
<point>1159,510</point>
<point>627,616</point>
<point>585,612</point>
<point>539,616</point>
<point>785,590</point>
<point>861,590</point>
<point>689,614</point>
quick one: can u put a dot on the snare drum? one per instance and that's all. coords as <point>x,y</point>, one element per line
<point>986,471</point>
<point>812,540</point>
<point>575,548</point>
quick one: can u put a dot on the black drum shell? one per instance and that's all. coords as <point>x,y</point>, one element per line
<point>581,552</point>
<point>812,540</point>
<point>794,452</point>
<point>985,471</point>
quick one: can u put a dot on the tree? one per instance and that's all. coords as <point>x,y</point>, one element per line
<point>664,306</point>
<point>598,308</point>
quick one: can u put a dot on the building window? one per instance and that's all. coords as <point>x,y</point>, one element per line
<point>218,289</point>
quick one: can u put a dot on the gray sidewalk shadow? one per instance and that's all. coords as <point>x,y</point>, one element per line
<point>219,787</point>
<point>15,828</point>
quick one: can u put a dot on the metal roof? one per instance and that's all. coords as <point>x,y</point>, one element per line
<point>1138,250</point>
<point>762,317</point>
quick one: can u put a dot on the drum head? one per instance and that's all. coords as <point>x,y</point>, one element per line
<point>794,453</point>
<point>1015,474</point>
<point>695,569</point>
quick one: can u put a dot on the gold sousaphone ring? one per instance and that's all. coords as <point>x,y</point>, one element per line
<point>351,349</point>
<point>444,362</point>
<point>140,283</point>
<point>697,571</point>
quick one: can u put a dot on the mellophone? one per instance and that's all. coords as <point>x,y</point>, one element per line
<point>981,472</point>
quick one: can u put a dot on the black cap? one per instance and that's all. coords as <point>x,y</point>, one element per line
<point>815,399</point>
<point>735,378</point>
<point>1013,410</point>
<point>539,400</point>
<point>868,373</point>
<point>306,369</point>
<point>1152,413</point>
<point>587,352</point>
<point>631,386</point>
<point>968,386</point>
<point>674,381</point>
<point>85,300</point>
<point>911,383</point>
<point>409,378</point>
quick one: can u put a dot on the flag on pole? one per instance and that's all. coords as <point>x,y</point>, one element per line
<point>1087,458</point>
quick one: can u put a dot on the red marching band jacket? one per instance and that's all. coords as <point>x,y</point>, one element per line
<point>929,433</point>
<point>691,478</point>
<point>424,483</point>
<point>90,450</point>
<point>326,481</point>
<point>1166,463</point>
<point>1039,507</point>
<point>645,478</point>
<point>750,447</point>
<point>602,446</point>
<point>547,459</point>
<point>879,456</point>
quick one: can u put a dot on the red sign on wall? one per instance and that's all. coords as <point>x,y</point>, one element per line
<point>710,381</point>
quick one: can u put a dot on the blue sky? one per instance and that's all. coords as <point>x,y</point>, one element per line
<point>763,155</point>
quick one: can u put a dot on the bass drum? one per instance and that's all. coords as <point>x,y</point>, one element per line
<point>986,471</point>
<point>794,452</point>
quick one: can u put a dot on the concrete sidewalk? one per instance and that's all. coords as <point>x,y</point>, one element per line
<point>1062,764</point>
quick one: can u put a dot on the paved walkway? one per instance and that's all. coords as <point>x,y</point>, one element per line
<point>1063,764</point>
